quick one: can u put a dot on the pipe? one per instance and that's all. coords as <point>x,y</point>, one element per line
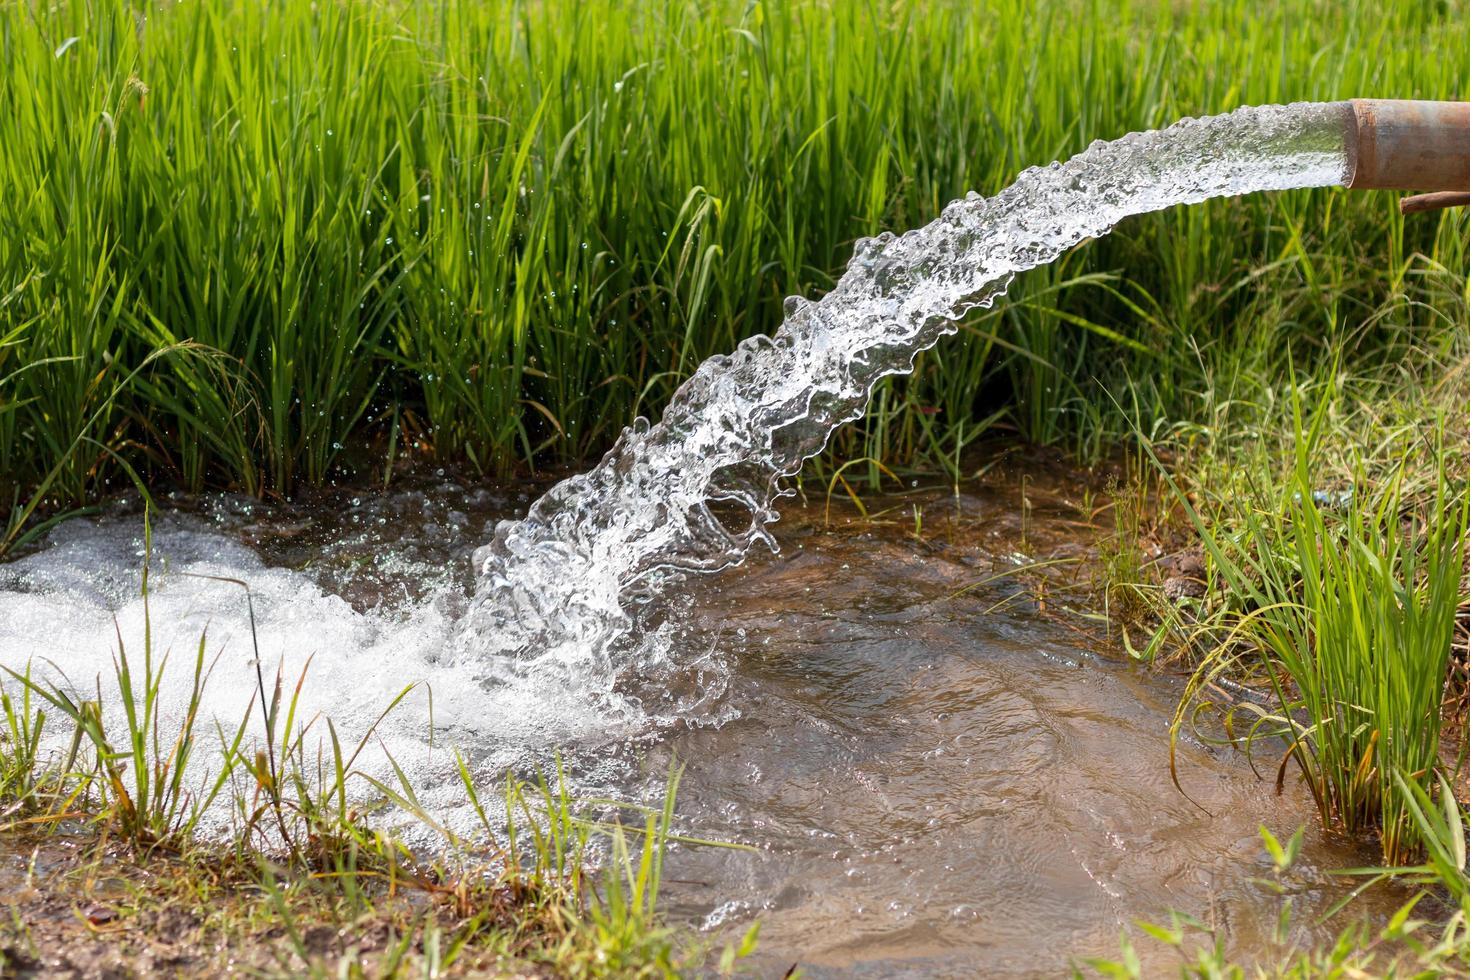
<point>1397,144</point>
<point>1433,202</point>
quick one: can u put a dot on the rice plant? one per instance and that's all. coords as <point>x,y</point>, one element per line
<point>494,233</point>
<point>21,764</point>
<point>1349,600</point>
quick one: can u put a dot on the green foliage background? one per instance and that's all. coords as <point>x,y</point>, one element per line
<point>240,239</point>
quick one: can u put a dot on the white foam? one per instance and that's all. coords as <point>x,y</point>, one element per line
<point>64,609</point>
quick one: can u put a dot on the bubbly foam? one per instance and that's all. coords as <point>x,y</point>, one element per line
<point>65,610</point>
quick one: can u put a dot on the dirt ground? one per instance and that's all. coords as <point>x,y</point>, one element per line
<point>74,907</point>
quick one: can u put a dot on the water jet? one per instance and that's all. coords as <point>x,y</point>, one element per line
<point>563,589</point>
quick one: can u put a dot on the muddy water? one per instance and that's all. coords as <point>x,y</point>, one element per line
<point>942,771</point>
<point>954,785</point>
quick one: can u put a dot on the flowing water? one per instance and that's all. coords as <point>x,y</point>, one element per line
<point>936,780</point>
<point>958,786</point>
<point>563,591</point>
<point>939,779</point>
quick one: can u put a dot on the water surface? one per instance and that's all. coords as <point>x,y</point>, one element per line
<point>941,776</point>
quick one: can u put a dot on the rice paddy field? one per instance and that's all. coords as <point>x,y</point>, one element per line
<point>259,246</point>
<point>275,249</point>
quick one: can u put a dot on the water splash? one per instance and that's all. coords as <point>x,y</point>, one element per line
<point>564,592</point>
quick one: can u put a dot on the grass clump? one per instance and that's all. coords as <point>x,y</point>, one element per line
<point>1404,946</point>
<point>1339,589</point>
<point>1428,936</point>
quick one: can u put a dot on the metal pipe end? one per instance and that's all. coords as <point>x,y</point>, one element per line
<point>1397,144</point>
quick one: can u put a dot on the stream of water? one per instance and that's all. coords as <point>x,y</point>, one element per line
<point>563,592</point>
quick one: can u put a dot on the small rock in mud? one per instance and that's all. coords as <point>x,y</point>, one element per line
<point>1184,575</point>
<point>1180,587</point>
<point>1184,564</point>
<point>99,914</point>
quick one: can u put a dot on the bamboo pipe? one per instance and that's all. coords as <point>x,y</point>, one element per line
<point>1401,144</point>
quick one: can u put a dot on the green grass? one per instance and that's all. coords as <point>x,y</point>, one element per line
<point>493,233</point>
<point>1335,575</point>
<point>1418,940</point>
